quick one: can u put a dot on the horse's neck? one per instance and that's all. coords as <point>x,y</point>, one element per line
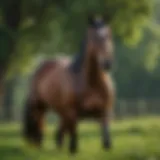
<point>92,71</point>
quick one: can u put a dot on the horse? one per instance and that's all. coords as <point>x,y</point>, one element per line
<point>76,89</point>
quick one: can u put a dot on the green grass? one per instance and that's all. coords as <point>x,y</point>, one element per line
<point>132,140</point>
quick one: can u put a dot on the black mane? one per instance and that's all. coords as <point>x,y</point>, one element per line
<point>78,60</point>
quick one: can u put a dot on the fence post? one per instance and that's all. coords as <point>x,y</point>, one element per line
<point>123,108</point>
<point>142,108</point>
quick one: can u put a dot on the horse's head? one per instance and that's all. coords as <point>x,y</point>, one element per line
<point>99,40</point>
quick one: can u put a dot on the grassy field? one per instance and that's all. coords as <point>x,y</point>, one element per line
<point>132,140</point>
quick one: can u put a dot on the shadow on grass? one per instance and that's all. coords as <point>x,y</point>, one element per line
<point>11,153</point>
<point>15,153</point>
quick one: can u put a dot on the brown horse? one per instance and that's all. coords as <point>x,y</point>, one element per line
<point>74,89</point>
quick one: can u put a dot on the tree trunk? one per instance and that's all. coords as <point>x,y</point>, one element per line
<point>8,100</point>
<point>11,12</point>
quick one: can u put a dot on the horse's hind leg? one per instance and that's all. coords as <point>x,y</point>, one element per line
<point>73,137</point>
<point>33,121</point>
<point>60,134</point>
<point>71,123</point>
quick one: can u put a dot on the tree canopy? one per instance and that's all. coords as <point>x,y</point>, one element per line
<point>30,27</point>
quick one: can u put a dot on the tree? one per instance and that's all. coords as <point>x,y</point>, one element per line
<point>27,24</point>
<point>13,16</point>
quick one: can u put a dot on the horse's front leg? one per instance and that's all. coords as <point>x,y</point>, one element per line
<point>106,138</point>
<point>72,130</point>
<point>60,134</point>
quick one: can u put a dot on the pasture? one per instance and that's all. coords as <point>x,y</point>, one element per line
<point>137,139</point>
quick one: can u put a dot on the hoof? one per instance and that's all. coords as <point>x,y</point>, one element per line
<point>107,145</point>
<point>73,151</point>
<point>32,144</point>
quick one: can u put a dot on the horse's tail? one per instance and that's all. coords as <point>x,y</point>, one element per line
<point>32,122</point>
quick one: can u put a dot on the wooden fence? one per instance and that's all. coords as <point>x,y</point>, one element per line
<point>123,108</point>
<point>132,108</point>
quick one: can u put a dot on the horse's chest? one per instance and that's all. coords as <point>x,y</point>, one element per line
<point>94,98</point>
<point>91,103</point>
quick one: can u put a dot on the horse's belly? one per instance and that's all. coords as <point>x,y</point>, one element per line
<point>89,114</point>
<point>91,106</point>
<point>90,109</point>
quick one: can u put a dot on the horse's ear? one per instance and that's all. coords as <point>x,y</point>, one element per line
<point>91,19</point>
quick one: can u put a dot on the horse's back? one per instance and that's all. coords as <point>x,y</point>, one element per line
<point>44,67</point>
<point>48,67</point>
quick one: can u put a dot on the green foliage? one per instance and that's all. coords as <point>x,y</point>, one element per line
<point>50,27</point>
<point>3,45</point>
<point>39,18</point>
